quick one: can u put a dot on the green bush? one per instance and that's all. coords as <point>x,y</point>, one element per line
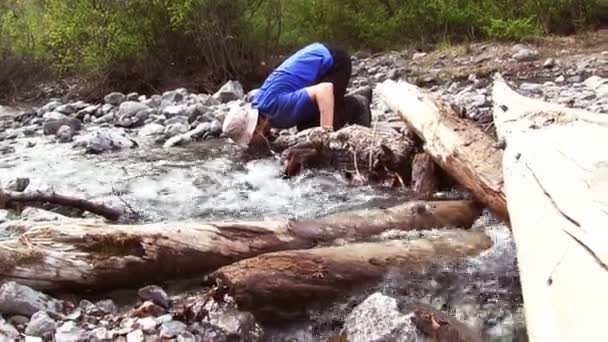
<point>511,29</point>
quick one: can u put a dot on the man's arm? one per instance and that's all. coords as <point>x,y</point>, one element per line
<point>323,95</point>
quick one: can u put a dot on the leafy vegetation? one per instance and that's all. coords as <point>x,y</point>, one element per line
<point>142,44</point>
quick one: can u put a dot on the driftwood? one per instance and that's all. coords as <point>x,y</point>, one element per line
<point>556,181</point>
<point>374,154</point>
<point>283,285</point>
<point>86,254</point>
<point>463,150</point>
<point>425,179</point>
<point>15,199</point>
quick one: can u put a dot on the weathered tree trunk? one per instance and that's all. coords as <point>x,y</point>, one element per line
<point>78,253</point>
<point>13,199</point>
<point>556,181</point>
<point>463,150</point>
<point>424,174</point>
<point>373,154</point>
<point>283,285</point>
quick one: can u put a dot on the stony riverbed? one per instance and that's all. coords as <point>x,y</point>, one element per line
<point>164,155</point>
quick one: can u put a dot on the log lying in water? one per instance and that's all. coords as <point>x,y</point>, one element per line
<point>463,150</point>
<point>556,181</point>
<point>87,254</point>
<point>283,285</point>
<point>13,199</point>
<point>372,153</point>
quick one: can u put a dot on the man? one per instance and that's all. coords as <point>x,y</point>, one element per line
<point>307,90</point>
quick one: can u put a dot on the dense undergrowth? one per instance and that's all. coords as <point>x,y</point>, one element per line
<point>150,45</point>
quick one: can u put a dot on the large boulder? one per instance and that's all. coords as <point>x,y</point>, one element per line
<point>17,299</point>
<point>105,139</point>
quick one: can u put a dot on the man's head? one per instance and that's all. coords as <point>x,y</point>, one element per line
<point>245,126</point>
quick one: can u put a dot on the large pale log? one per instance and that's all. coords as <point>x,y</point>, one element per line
<point>78,253</point>
<point>462,149</point>
<point>283,285</point>
<point>556,182</point>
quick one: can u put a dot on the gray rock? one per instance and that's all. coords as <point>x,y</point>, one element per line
<point>107,306</point>
<point>18,184</point>
<point>22,300</point>
<point>115,98</point>
<point>6,150</point>
<point>209,332</point>
<point>154,101</point>
<point>11,134</point>
<point>100,334</point>
<point>70,332</point>
<point>64,134</point>
<point>147,324</point>
<point>105,119</point>
<point>525,54</point>
<point>133,97</point>
<point>237,323</point>
<point>216,129</point>
<point>231,91</point>
<point>54,115</point>
<point>48,107</point>
<point>560,79</point>
<point>131,108</point>
<point>132,114</point>
<point>172,329</point>
<point>177,120</point>
<point>186,337</point>
<point>175,129</point>
<point>33,339</point>
<point>533,88</point>
<point>151,130</point>
<point>196,112</point>
<point>419,55</point>
<point>574,79</point>
<point>41,325</point>
<point>8,332</point>
<point>104,110</point>
<point>378,318</point>
<point>175,110</point>
<point>208,100</point>
<point>549,63</point>
<point>66,109</point>
<point>52,126</point>
<point>178,140</point>
<point>105,139</point>
<point>156,295</point>
<point>172,97</point>
<point>594,82</point>
<point>89,110</point>
<point>135,336</point>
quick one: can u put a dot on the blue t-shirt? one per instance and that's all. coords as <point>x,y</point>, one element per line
<point>282,98</point>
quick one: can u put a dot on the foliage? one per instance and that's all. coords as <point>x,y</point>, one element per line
<point>151,41</point>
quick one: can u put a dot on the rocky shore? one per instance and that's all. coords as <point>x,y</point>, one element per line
<point>178,118</point>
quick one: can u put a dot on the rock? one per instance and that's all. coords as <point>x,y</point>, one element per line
<point>54,115</point>
<point>154,102</point>
<point>135,336</point>
<point>549,63</point>
<point>178,140</point>
<point>560,79</point>
<point>378,318</point>
<point>48,107</point>
<point>64,134</point>
<point>66,109</point>
<point>231,91</point>
<point>131,108</point>
<point>147,324</point>
<point>525,54</point>
<point>104,110</point>
<point>101,334</point>
<point>70,332</point>
<point>175,129</point>
<point>33,339</point>
<point>105,139</point>
<point>132,114</point>
<point>216,129</point>
<point>18,184</point>
<point>107,306</point>
<point>172,97</point>
<point>133,97</point>
<point>52,126</point>
<point>19,321</point>
<point>533,88</point>
<point>594,82</point>
<point>172,329</point>
<point>115,98</point>
<point>22,300</point>
<point>105,119</point>
<point>237,324</point>
<point>89,110</point>
<point>6,150</point>
<point>197,111</point>
<point>177,119</point>
<point>209,332</point>
<point>419,55</point>
<point>174,110</point>
<point>574,79</point>
<point>151,129</point>
<point>41,325</point>
<point>8,332</point>
<point>186,337</point>
<point>156,295</point>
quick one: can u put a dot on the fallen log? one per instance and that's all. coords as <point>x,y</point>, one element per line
<point>556,182</point>
<point>463,150</point>
<point>88,254</point>
<point>15,199</point>
<point>371,154</point>
<point>424,174</point>
<point>283,285</point>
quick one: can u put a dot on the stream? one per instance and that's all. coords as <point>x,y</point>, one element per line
<point>207,181</point>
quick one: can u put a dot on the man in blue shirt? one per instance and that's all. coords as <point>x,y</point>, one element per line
<point>307,90</point>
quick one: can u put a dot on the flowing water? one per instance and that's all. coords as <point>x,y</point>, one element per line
<point>207,181</point>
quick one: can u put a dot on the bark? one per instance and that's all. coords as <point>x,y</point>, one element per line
<point>373,154</point>
<point>424,174</point>
<point>556,182</point>
<point>88,254</point>
<point>14,199</point>
<point>463,150</point>
<point>283,285</point>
